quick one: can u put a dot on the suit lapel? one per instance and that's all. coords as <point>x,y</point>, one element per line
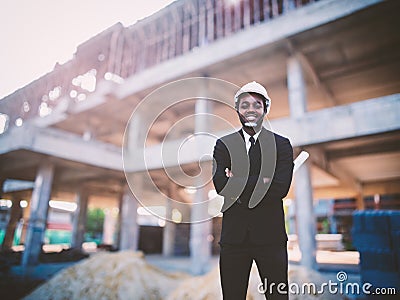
<point>237,151</point>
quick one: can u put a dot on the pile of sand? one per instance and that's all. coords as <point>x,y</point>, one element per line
<point>208,287</point>
<point>120,275</point>
<point>126,275</point>
<point>299,275</point>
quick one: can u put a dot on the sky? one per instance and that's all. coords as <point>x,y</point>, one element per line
<point>36,34</point>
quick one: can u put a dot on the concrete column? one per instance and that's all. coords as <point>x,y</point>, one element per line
<point>119,222</point>
<point>25,216</point>
<point>1,186</point>
<point>200,243</point>
<point>296,88</point>
<point>360,197</point>
<point>38,213</point>
<point>80,217</point>
<point>129,232</point>
<point>134,134</point>
<point>110,221</point>
<point>169,228</point>
<point>306,226</point>
<point>15,215</point>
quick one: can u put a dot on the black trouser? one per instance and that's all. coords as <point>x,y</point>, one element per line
<point>235,264</point>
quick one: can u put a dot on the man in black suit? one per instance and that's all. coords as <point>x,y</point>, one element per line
<point>253,169</point>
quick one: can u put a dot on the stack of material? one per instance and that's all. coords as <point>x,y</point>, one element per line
<point>376,235</point>
<point>122,275</point>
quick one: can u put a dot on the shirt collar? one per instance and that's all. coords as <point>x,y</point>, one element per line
<point>247,136</point>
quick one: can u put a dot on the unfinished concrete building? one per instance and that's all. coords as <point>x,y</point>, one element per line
<point>332,68</point>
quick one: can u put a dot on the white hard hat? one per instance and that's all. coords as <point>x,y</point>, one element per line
<point>254,87</point>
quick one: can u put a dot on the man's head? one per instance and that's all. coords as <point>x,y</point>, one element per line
<point>252,104</point>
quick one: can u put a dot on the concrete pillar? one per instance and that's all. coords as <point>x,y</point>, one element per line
<point>15,215</point>
<point>360,197</point>
<point>306,226</point>
<point>134,134</point>
<point>119,222</point>
<point>296,88</point>
<point>38,213</point>
<point>1,186</point>
<point>110,221</point>
<point>169,229</point>
<point>129,232</point>
<point>80,217</point>
<point>25,218</point>
<point>200,232</point>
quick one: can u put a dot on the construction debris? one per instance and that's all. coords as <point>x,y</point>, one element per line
<point>127,275</point>
<point>121,275</point>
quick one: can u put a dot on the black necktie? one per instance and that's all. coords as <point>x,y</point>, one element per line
<point>254,162</point>
<point>252,141</point>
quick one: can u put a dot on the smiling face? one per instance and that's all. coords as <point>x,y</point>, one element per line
<point>251,109</point>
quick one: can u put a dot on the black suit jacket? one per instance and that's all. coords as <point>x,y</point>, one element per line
<point>252,207</point>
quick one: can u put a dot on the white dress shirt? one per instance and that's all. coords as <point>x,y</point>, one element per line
<point>247,139</point>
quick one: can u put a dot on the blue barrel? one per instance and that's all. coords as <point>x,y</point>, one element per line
<point>377,221</point>
<point>376,235</point>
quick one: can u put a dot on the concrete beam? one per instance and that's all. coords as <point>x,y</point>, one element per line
<point>16,166</point>
<point>381,147</point>
<point>11,185</point>
<point>341,122</point>
<point>357,119</point>
<point>58,143</point>
<point>289,24</point>
<point>320,158</point>
<point>350,181</point>
<point>293,22</point>
<point>67,106</point>
<point>308,67</point>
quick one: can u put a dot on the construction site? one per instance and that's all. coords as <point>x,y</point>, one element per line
<point>92,153</point>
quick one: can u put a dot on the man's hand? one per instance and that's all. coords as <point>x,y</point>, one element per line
<point>266,180</point>
<point>228,173</point>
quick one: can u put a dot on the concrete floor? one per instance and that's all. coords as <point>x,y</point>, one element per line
<point>328,261</point>
<point>25,280</point>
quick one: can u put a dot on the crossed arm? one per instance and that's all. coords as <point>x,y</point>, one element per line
<point>231,186</point>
